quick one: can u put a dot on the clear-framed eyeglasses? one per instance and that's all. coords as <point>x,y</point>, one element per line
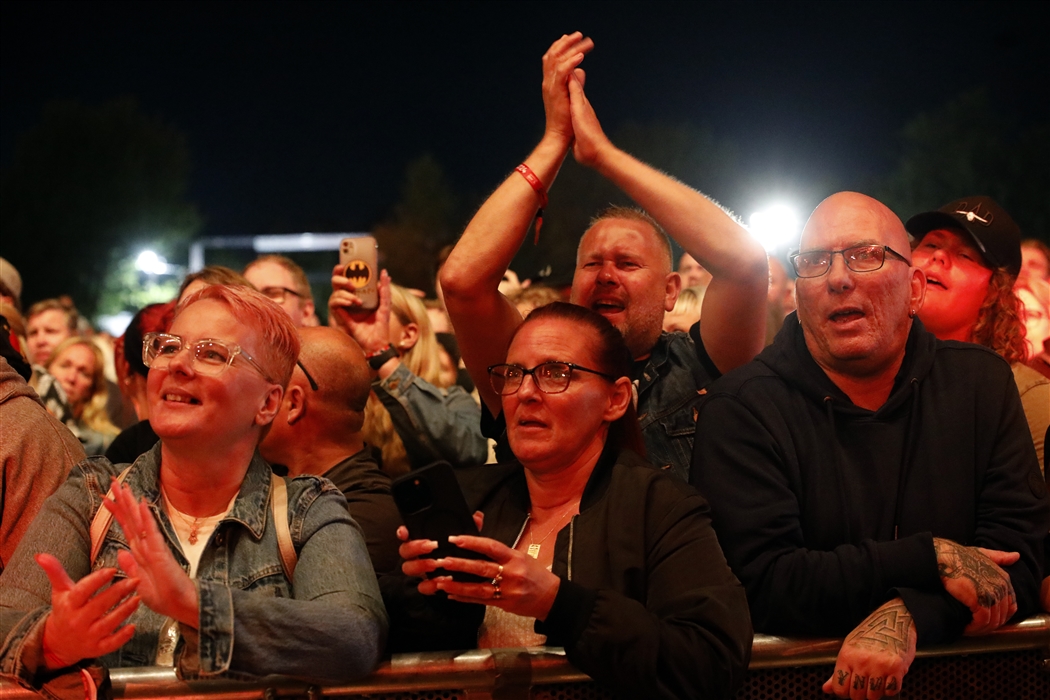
<point>861,258</point>
<point>550,377</point>
<point>210,357</point>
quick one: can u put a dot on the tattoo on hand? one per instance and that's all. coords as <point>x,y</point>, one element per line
<point>954,561</point>
<point>843,676</point>
<point>891,685</point>
<point>884,630</point>
<point>875,684</point>
<point>859,682</point>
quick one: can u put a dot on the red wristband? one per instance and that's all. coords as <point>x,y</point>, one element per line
<point>541,190</point>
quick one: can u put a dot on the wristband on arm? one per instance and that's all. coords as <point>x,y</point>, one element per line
<point>541,190</point>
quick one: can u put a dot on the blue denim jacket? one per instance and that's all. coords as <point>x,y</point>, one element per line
<point>253,621</point>
<point>670,385</point>
<point>434,424</point>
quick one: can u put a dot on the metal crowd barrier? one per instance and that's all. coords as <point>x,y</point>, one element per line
<point>1012,663</point>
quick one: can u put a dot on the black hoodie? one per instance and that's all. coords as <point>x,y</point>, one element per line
<point>825,510</point>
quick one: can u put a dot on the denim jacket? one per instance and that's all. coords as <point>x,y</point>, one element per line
<point>434,424</point>
<point>670,385</point>
<point>253,621</point>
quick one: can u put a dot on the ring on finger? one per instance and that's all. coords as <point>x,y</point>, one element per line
<point>498,577</point>
<point>496,592</point>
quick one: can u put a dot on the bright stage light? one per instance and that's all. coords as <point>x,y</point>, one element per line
<point>775,227</point>
<point>151,263</point>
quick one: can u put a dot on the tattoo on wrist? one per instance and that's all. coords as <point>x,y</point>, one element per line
<point>886,629</point>
<point>954,561</point>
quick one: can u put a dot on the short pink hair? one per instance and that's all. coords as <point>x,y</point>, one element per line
<point>280,349</point>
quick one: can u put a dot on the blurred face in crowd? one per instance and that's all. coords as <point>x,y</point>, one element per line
<point>44,332</point>
<point>276,281</point>
<point>857,323</point>
<point>1034,263</point>
<point>1036,321</point>
<point>74,370</point>
<point>956,283</point>
<point>623,272</point>
<point>692,273</point>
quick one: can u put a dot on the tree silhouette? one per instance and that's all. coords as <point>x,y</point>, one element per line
<point>87,185</point>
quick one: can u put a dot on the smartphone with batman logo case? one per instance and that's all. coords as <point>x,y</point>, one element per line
<point>358,256</point>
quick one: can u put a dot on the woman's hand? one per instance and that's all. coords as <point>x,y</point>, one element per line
<point>369,327</point>
<point>83,622</point>
<point>163,585</point>
<point>559,64</point>
<point>517,583</point>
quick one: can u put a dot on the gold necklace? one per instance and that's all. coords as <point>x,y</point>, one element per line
<point>534,546</point>
<point>194,525</point>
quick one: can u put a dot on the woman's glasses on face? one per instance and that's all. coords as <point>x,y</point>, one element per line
<point>550,377</point>
<point>210,357</point>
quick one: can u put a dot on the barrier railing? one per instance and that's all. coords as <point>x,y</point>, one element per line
<point>1023,650</point>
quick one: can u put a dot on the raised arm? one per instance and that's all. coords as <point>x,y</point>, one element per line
<point>483,318</point>
<point>734,310</point>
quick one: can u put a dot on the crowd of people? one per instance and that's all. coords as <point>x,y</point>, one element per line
<point>660,462</point>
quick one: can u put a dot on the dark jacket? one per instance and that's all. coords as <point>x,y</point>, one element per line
<point>825,510</point>
<point>647,605</point>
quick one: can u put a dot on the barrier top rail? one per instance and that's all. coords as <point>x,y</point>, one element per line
<point>482,669</point>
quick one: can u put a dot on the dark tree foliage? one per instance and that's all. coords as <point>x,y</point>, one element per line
<point>85,185</point>
<point>968,147</point>
<point>426,218</point>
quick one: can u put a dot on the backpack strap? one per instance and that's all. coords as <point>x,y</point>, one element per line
<point>279,504</point>
<point>101,522</point>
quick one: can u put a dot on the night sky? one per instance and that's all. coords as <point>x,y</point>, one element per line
<point>303,116</point>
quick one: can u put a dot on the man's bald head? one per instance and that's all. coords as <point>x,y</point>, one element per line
<point>339,367</point>
<point>857,216</point>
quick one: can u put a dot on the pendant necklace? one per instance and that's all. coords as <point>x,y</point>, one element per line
<point>534,546</point>
<point>193,524</point>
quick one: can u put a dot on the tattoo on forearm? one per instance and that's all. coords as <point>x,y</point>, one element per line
<point>884,630</point>
<point>843,676</point>
<point>875,684</point>
<point>859,682</point>
<point>954,561</point>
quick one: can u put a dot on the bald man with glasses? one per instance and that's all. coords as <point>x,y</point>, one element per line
<point>867,480</point>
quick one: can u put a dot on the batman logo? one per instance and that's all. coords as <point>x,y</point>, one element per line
<point>358,272</point>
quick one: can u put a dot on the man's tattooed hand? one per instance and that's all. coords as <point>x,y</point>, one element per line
<point>875,655</point>
<point>973,576</point>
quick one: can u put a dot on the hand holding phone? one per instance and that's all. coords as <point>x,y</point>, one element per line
<point>433,508</point>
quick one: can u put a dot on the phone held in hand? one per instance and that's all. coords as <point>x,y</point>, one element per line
<point>433,508</point>
<point>359,258</point>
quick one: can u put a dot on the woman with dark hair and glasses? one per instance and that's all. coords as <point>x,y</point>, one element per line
<point>187,556</point>
<point>588,547</point>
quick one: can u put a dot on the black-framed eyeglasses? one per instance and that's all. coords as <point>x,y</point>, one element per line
<point>278,294</point>
<point>313,384</point>
<point>210,357</point>
<point>550,377</point>
<point>860,258</point>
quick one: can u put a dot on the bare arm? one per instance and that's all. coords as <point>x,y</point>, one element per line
<point>482,317</point>
<point>734,310</point>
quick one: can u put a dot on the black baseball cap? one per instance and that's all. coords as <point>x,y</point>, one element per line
<point>995,233</point>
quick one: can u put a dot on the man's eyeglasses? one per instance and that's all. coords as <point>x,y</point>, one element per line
<point>278,294</point>
<point>210,357</point>
<point>550,377</point>
<point>861,258</point>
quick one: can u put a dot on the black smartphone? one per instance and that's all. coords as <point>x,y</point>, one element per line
<point>433,508</point>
